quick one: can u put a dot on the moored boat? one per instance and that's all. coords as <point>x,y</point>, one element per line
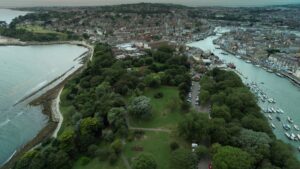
<point>278,118</point>
<point>279,74</point>
<point>296,127</point>
<point>287,135</point>
<point>290,120</point>
<point>273,126</point>
<point>270,117</point>
<point>286,126</point>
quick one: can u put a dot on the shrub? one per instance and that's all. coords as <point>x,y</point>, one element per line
<point>84,161</point>
<point>158,95</point>
<point>103,153</point>
<point>113,158</point>
<point>174,146</point>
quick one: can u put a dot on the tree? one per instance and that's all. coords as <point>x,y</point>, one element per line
<point>117,120</point>
<point>67,140</point>
<point>183,159</point>
<point>231,157</point>
<point>255,143</point>
<point>204,96</point>
<point>117,146</point>
<point>140,108</point>
<point>194,127</point>
<point>153,80</point>
<point>221,112</point>
<point>144,161</point>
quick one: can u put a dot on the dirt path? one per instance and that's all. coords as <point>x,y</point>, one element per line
<point>151,129</point>
<point>125,161</point>
<point>56,114</point>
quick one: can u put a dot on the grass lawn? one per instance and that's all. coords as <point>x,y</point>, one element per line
<point>166,110</point>
<point>41,30</point>
<point>155,143</point>
<point>66,109</point>
<point>96,164</point>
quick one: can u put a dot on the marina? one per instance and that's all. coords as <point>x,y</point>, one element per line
<point>270,89</point>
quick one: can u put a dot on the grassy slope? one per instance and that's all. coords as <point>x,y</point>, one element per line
<point>96,164</point>
<point>41,30</point>
<point>166,110</point>
<point>155,143</point>
<point>166,114</point>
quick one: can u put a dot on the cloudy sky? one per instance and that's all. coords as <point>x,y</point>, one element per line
<point>11,3</point>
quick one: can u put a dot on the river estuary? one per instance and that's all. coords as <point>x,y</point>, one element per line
<point>24,70</point>
<point>286,95</point>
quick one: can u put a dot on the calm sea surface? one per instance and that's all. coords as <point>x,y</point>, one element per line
<point>24,70</point>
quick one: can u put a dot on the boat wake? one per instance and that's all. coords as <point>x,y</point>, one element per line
<point>5,122</point>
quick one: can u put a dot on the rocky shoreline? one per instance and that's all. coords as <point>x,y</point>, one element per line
<point>46,100</point>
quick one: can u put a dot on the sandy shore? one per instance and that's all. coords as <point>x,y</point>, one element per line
<point>50,103</point>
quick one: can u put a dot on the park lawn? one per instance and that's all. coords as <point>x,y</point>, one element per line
<point>96,164</point>
<point>166,110</point>
<point>66,109</point>
<point>36,29</point>
<point>155,143</point>
<point>41,30</point>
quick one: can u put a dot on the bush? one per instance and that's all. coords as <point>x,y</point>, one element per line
<point>113,158</point>
<point>158,95</point>
<point>117,146</point>
<point>84,161</point>
<point>92,150</point>
<point>103,153</point>
<point>174,146</point>
<point>108,136</point>
<point>144,161</point>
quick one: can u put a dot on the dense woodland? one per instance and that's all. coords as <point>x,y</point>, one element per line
<point>109,91</point>
<point>99,98</point>
<point>239,134</point>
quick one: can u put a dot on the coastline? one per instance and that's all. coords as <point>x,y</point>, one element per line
<point>49,100</point>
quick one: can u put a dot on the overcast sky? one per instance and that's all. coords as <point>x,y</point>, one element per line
<point>17,3</point>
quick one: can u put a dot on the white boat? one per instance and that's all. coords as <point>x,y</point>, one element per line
<point>270,117</point>
<point>280,111</point>
<point>287,135</point>
<point>298,135</point>
<point>293,136</point>
<point>273,126</point>
<point>299,148</point>
<point>270,100</point>
<point>248,61</point>
<point>290,120</point>
<point>279,74</point>
<point>286,126</point>
<point>296,127</point>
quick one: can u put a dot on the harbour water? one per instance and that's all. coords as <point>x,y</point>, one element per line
<point>8,15</point>
<point>286,95</point>
<point>23,70</point>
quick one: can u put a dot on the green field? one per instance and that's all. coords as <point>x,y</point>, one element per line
<point>166,110</point>
<point>166,114</point>
<point>96,164</point>
<point>155,143</point>
<point>36,29</point>
<point>40,30</point>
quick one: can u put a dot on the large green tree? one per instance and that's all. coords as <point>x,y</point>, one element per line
<point>140,108</point>
<point>231,158</point>
<point>144,161</point>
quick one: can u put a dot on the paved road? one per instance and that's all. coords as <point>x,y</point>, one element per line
<point>203,164</point>
<point>195,94</point>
